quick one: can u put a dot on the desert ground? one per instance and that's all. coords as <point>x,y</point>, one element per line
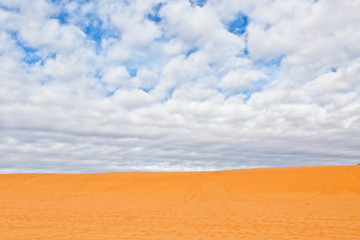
<point>270,203</point>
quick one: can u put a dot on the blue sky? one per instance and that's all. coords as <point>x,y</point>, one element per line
<point>97,86</point>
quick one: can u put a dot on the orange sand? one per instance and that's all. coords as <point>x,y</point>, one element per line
<point>278,203</point>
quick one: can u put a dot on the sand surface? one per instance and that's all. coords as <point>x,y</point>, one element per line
<point>274,203</point>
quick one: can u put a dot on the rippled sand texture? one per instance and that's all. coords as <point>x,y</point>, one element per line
<point>278,203</point>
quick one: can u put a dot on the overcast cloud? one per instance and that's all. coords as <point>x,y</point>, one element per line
<point>148,85</point>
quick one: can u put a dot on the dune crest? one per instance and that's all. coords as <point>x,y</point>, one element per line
<point>274,203</point>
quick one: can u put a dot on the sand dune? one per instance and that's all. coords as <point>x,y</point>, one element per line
<point>276,203</point>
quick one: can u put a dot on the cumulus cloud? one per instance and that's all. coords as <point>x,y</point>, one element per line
<point>178,85</point>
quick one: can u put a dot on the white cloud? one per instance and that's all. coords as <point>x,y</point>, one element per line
<point>101,86</point>
<point>241,79</point>
<point>115,77</point>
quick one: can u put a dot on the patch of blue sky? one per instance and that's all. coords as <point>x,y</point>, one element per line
<point>219,90</point>
<point>125,2</point>
<point>137,62</point>
<point>246,52</point>
<point>199,3</point>
<point>110,93</point>
<point>246,93</point>
<point>132,67</point>
<point>13,35</point>
<point>191,51</point>
<point>32,58</point>
<point>27,50</point>
<point>46,79</point>
<point>255,88</point>
<point>169,94</point>
<point>270,67</point>
<point>98,74</point>
<point>132,71</point>
<point>333,69</point>
<point>62,17</point>
<point>154,14</point>
<point>104,86</point>
<point>94,29</point>
<point>10,9</point>
<point>239,24</point>
<point>147,90</point>
<point>31,55</point>
<point>91,25</point>
<point>43,59</point>
<point>77,1</point>
<point>271,64</point>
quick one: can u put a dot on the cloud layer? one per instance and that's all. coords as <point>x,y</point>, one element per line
<point>93,86</point>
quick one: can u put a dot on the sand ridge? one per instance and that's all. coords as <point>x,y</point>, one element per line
<point>269,203</point>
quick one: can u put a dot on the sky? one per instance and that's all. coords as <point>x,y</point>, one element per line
<point>149,85</point>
